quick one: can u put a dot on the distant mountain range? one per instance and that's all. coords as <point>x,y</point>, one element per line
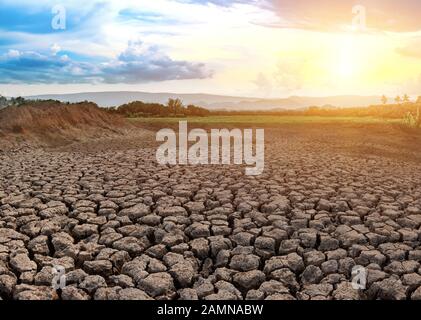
<point>212,102</point>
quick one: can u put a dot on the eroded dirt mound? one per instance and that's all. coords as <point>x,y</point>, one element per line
<point>54,123</point>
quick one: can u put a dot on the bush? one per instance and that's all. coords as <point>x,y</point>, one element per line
<point>174,109</point>
<point>413,120</point>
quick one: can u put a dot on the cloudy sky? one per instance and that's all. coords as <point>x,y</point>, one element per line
<point>267,48</point>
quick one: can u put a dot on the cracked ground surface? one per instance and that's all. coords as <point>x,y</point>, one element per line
<point>332,197</point>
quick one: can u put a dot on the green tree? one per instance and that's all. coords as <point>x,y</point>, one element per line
<point>17,101</point>
<point>193,110</point>
<point>3,102</point>
<point>398,99</point>
<point>384,99</point>
<point>406,98</point>
<point>175,106</point>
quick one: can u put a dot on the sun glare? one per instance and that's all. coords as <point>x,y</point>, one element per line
<point>347,62</point>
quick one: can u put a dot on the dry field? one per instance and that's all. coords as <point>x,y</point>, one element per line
<point>333,196</point>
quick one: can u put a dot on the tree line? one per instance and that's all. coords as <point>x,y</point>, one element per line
<point>4,102</point>
<point>174,108</point>
<point>398,100</point>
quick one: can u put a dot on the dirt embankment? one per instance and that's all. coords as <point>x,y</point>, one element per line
<point>53,123</point>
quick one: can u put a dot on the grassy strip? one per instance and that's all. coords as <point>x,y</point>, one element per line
<point>265,119</point>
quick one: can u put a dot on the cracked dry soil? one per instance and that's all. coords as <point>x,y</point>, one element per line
<point>331,197</point>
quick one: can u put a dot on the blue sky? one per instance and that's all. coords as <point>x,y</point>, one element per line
<point>250,47</point>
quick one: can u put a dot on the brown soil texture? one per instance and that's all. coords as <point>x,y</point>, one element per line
<point>54,123</point>
<point>331,197</point>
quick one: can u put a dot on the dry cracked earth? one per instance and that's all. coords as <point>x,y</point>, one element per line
<point>124,227</point>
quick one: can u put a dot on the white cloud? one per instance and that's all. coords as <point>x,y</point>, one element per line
<point>139,63</point>
<point>55,48</point>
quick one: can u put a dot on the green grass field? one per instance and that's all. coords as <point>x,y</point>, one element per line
<point>265,119</point>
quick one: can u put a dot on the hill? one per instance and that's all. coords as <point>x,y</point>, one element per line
<point>212,102</point>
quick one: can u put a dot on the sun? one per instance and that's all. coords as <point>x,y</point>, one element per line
<point>348,58</point>
<point>345,68</point>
